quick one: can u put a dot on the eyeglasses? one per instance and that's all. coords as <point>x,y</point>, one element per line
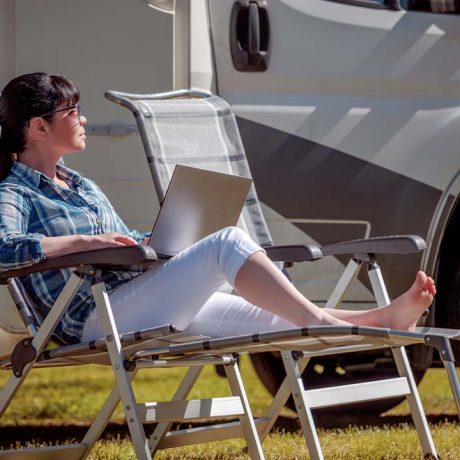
<point>75,111</point>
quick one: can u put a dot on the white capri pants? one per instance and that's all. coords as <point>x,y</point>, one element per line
<point>183,291</point>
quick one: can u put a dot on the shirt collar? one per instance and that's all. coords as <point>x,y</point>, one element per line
<point>33,177</point>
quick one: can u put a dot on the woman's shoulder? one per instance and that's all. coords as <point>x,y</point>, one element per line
<point>17,188</point>
<point>20,179</point>
<point>12,184</point>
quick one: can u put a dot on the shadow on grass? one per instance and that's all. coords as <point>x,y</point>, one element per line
<point>51,434</point>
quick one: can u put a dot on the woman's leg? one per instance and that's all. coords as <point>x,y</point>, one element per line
<point>225,315</point>
<point>173,292</point>
<point>262,284</point>
<point>403,313</point>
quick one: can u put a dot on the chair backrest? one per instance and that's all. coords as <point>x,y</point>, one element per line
<point>195,131</point>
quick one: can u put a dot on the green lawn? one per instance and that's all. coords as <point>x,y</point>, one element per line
<point>73,395</point>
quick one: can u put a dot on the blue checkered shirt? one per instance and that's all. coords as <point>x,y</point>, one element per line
<point>32,206</point>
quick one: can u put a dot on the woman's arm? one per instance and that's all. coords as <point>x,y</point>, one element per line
<point>53,246</point>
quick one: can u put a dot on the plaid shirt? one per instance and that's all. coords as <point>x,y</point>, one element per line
<point>32,206</point>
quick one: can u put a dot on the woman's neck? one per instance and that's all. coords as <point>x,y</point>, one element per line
<point>43,163</point>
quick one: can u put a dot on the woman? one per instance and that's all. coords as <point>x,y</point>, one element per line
<point>48,210</point>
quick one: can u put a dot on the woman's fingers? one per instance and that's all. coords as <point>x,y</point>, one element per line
<point>126,240</point>
<point>114,239</point>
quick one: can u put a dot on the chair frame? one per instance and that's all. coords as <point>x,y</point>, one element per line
<point>362,252</point>
<point>195,354</point>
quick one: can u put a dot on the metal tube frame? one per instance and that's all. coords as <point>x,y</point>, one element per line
<point>40,340</point>
<point>123,382</point>
<point>404,369</point>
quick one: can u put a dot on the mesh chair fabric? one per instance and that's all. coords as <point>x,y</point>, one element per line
<point>201,133</point>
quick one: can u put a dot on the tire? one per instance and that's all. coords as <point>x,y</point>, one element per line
<point>452,314</point>
<point>333,371</point>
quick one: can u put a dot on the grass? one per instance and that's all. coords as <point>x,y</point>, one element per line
<point>389,443</point>
<point>61,396</point>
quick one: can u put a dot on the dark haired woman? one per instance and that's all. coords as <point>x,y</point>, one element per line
<point>49,210</point>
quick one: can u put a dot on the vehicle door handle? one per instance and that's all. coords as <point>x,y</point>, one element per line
<point>249,35</point>
<point>253,29</point>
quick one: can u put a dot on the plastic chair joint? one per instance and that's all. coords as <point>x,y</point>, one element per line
<point>442,345</point>
<point>24,353</point>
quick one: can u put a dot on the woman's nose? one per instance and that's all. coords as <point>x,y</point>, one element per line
<point>83,120</point>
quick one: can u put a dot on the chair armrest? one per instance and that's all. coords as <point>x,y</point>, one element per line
<point>400,244</point>
<point>294,253</point>
<point>121,257</point>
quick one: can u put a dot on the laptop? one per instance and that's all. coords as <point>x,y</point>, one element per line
<point>197,203</point>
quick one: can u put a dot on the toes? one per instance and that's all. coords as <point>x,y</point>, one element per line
<point>421,280</point>
<point>424,283</point>
<point>430,285</point>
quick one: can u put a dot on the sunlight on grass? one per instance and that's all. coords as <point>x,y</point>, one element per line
<point>395,443</point>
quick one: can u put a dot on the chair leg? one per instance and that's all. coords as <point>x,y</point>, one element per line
<point>122,379</point>
<point>247,421</point>
<point>415,404</point>
<point>103,417</point>
<point>181,393</point>
<point>453,380</point>
<point>404,369</point>
<point>294,376</point>
<point>279,401</point>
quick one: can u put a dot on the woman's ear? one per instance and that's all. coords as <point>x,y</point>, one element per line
<point>38,129</point>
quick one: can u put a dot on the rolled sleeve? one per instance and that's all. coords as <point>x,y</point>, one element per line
<point>18,248</point>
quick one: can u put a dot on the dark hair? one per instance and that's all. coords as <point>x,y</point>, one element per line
<point>23,98</point>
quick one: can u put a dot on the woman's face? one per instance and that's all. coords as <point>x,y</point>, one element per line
<point>66,132</point>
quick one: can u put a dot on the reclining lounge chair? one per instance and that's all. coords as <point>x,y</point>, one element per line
<point>165,347</point>
<point>198,129</point>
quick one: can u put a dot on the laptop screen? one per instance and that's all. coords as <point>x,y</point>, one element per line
<point>197,203</point>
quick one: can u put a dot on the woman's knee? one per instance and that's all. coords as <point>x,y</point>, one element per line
<point>234,247</point>
<point>229,230</point>
<point>233,236</point>
<point>234,239</point>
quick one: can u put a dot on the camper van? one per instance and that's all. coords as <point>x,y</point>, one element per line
<point>349,111</point>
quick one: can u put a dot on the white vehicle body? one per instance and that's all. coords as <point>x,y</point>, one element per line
<point>353,128</point>
<point>351,131</point>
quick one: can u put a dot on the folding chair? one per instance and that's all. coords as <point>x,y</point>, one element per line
<point>199,129</point>
<point>164,347</point>
<point>129,352</point>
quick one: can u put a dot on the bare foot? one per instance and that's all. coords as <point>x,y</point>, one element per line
<point>406,310</point>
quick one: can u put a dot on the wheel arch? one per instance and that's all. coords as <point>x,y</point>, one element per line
<point>447,262</point>
<point>442,256</point>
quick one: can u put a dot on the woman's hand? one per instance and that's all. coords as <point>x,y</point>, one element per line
<point>107,240</point>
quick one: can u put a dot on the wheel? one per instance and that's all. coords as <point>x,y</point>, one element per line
<point>452,314</point>
<point>332,371</point>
